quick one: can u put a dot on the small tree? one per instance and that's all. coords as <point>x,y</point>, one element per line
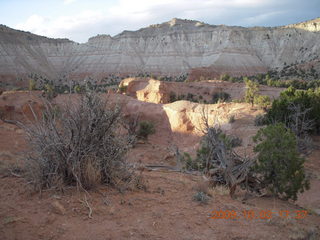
<point>282,110</point>
<point>279,162</point>
<point>32,84</point>
<point>225,77</point>
<point>154,77</point>
<point>220,97</point>
<point>49,90</point>
<point>173,97</point>
<point>145,129</point>
<point>79,88</point>
<point>263,101</point>
<point>252,89</point>
<point>122,88</point>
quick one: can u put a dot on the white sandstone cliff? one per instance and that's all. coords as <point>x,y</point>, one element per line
<point>170,48</point>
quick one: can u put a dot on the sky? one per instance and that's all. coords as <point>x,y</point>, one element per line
<point>79,20</point>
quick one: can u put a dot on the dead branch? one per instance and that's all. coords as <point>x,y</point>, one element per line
<point>221,162</point>
<point>299,122</point>
<point>85,202</point>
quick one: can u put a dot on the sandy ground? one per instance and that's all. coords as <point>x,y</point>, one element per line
<point>163,209</point>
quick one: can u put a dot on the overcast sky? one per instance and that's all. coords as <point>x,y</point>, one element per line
<point>79,19</point>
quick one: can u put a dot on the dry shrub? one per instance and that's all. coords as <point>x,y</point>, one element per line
<point>220,190</point>
<point>201,197</point>
<point>138,182</point>
<point>77,144</point>
<point>202,194</point>
<point>202,186</point>
<point>217,159</point>
<point>91,173</point>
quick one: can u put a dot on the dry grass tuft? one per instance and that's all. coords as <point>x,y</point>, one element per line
<point>221,190</point>
<point>202,186</point>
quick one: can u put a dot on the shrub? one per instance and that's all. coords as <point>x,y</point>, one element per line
<point>225,77</point>
<point>233,79</point>
<point>122,89</point>
<point>32,84</point>
<point>219,161</point>
<point>2,114</point>
<point>201,197</point>
<point>279,162</point>
<point>189,163</point>
<point>145,129</point>
<point>162,78</point>
<point>207,153</point>
<point>252,89</point>
<point>280,110</point>
<point>263,101</point>
<point>220,97</point>
<point>190,97</point>
<point>232,119</point>
<point>78,144</point>
<point>260,120</point>
<point>229,140</point>
<point>49,91</point>
<point>173,97</point>
<point>79,88</point>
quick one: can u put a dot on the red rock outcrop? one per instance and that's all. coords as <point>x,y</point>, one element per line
<point>150,90</point>
<point>21,105</point>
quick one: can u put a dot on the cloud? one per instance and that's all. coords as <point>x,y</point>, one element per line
<point>114,17</point>
<point>257,19</point>
<point>63,26</point>
<point>33,24</point>
<point>68,1</point>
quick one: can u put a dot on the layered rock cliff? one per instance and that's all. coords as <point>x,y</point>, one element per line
<point>170,48</point>
<point>312,25</point>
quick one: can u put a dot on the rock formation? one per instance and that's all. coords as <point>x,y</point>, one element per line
<point>170,48</point>
<point>172,121</point>
<point>154,91</point>
<point>148,90</point>
<point>312,25</point>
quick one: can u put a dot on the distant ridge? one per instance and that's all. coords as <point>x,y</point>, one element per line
<point>175,47</point>
<point>311,25</point>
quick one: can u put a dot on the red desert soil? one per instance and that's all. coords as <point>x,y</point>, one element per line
<point>163,210</point>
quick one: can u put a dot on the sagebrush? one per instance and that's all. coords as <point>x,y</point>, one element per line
<point>77,144</point>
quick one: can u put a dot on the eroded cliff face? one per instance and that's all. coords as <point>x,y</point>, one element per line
<point>170,48</point>
<point>312,25</point>
<point>22,53</point>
